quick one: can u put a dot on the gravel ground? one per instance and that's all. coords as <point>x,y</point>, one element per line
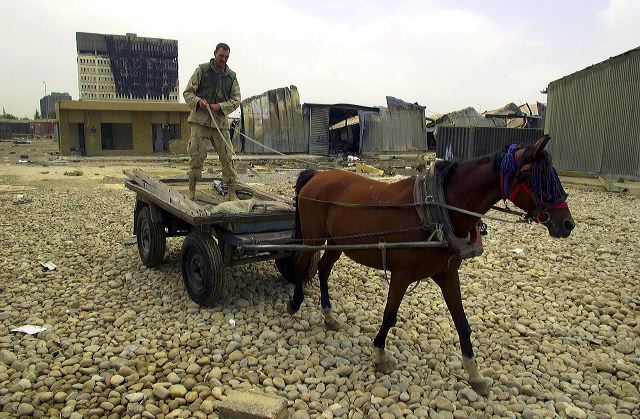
<point>555,327</point>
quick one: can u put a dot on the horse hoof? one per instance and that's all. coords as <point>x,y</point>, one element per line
<point>386,366</point>
<point>481,387</point>
<point>291,309</point>
<point>331,324</point>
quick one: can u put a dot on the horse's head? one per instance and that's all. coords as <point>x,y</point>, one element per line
<point>530,181</point>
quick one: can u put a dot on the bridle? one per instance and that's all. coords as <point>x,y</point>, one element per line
<point>512,183</point>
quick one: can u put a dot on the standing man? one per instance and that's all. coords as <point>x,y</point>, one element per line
<point>213,86</point>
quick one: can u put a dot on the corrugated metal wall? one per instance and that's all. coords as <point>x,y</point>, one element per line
<point>319,131</point>
<point>393,130</point>
<point>274,119</point>
<point>593,117</point>
<point>464,143</point>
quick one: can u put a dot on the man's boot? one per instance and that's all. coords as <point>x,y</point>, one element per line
<point>231,191</point>
<point>191,194</point>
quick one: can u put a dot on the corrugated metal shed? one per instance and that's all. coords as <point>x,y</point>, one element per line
<point>393,130</point>
<point>319,131</point>
<point>464,143</point>
<point>317,119</point>
<point>593,117</point>
<point>274,119</point>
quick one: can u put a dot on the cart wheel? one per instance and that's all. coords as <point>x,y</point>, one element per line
<point>202,268</point>
<point>151,238</point>
<point>287,267</point>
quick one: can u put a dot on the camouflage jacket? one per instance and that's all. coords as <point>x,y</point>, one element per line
<point>231,100</point>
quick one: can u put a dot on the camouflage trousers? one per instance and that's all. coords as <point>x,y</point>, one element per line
<point>197,149</point>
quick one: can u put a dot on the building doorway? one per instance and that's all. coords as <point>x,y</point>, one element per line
<point>162,135</point>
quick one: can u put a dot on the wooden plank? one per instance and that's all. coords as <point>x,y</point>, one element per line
<point>164,193</point>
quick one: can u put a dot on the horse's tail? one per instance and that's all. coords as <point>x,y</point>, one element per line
<point>304,177</point>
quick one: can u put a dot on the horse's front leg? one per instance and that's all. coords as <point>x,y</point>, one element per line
<point>383,361</point>
<point>325,265</point>
<point>449,283</point>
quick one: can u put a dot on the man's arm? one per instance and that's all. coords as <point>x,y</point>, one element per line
<point>192,87</point>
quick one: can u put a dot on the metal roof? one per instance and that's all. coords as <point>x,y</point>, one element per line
<point>598,66</point>
<point>341,105</point>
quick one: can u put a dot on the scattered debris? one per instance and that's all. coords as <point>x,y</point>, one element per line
<point>218,185</point>
<point>22,199</point>
<point>129,241</point>
<point>365,168</point>
<point>73,173</point>
<point>232,322</point>
<point>24,161</point>
<point>29,329</point>
<point>517,250</point>
<point>609,186</point>
<point>44,172</point>
<point>353,158</point>
<point>48,266</point>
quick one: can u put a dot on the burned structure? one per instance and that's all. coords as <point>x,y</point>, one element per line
<point>116,67</point>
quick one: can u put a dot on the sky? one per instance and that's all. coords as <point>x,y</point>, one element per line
<point>445,55</point>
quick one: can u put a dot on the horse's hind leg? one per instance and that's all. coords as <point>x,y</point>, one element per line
<point>449,283</point>
<point>399,283</point>
<point>302,266</point>
<point>325,265</point>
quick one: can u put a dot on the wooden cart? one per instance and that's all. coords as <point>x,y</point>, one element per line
<point>213,241</point>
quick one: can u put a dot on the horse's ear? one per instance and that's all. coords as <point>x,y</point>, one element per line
<point>540,145</point>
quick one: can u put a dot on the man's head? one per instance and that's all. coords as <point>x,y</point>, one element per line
<point>221,54</point>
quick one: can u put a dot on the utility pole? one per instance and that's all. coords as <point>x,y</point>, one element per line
<point>45,88</point>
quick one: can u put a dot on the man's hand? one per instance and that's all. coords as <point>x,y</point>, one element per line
<point>215,107</point>
<point>203,104</point>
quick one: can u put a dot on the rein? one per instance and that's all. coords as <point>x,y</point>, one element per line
<point>429,201</point>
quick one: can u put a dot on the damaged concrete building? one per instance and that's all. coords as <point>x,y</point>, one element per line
<point>129,67</point>
<point>94,128</point>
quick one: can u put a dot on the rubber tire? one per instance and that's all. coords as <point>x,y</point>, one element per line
<point>202,268</point>
<point>151,239</point>
<point>287,267</point>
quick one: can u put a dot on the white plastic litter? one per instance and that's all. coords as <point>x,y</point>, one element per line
<point>517,250</point>
<point>29,329</point>
<point>232,322</point>
<point>48,266</point>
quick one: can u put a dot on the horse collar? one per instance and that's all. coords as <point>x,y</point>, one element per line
<point>429,185</point>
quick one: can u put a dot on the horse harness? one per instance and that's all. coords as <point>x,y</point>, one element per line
<point>429,189</point>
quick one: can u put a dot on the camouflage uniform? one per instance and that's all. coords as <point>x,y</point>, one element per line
<point>221,88</point>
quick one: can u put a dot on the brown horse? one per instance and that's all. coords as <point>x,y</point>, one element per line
<point>340,208</point>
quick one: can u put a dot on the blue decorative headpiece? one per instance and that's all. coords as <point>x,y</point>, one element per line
<point>508,167</point>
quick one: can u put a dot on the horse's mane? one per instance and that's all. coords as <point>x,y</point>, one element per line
<point>542,177</point>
